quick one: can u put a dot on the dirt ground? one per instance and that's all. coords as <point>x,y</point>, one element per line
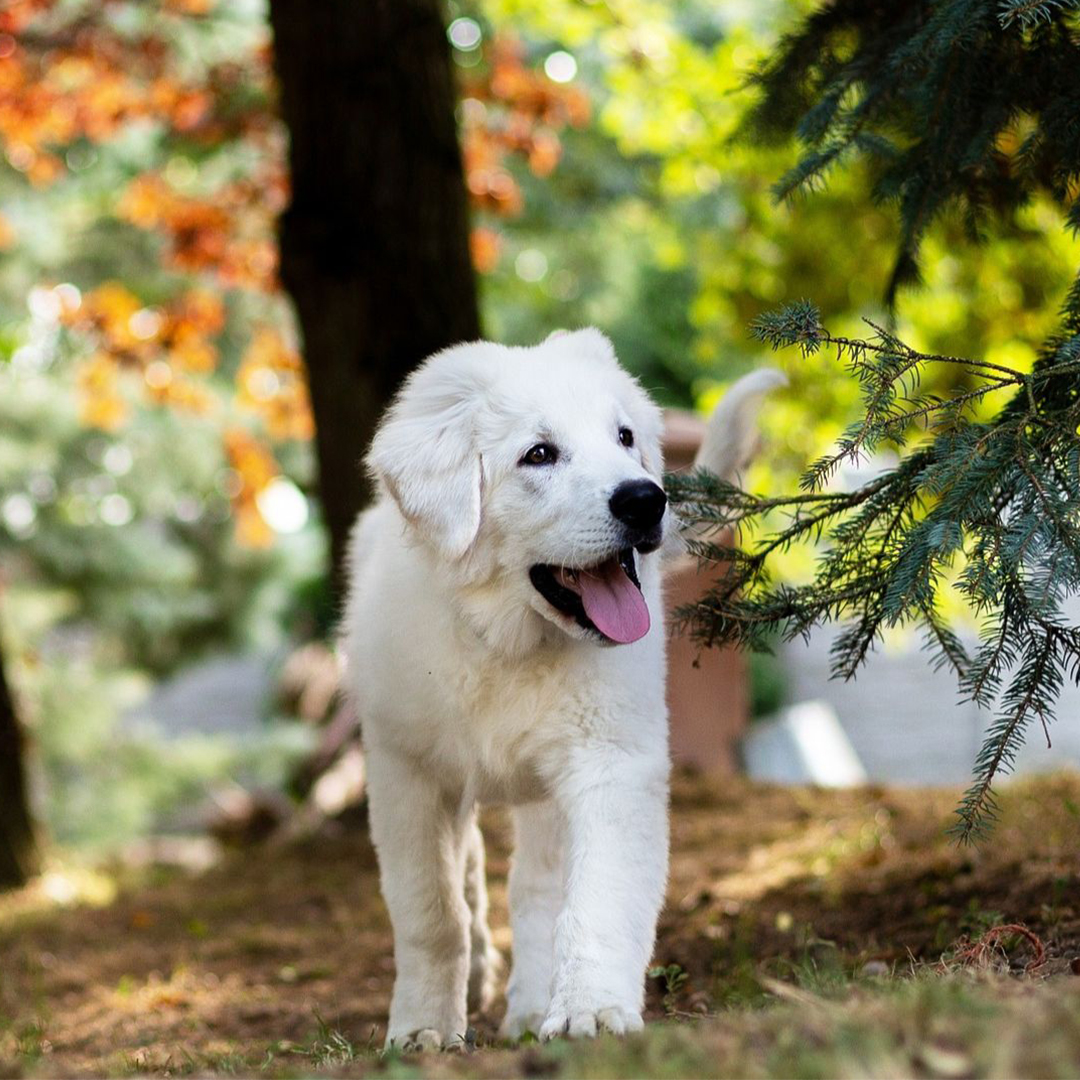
<point>279,959</point>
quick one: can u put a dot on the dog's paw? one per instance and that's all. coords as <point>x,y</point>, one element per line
<point>517,1024</point>
<point>412,1042</point>
<point>588,1022</point>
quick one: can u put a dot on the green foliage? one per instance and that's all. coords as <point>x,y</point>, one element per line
<point>659,225</point>
<point>673,978</point>
<point>955,105</point>
<point>124,567</point>
<point>330,1047</point>
<point>1030,13</point>
<point>117,542</point>
<point>950,106</point>
<point>768,684</point>
<point>992,507</point>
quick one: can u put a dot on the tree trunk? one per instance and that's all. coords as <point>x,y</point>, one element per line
<point>18,852</point>
<point>375,244</point>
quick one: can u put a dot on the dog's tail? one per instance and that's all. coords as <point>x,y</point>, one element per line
<point>732,438</point>
<point>730,443</point>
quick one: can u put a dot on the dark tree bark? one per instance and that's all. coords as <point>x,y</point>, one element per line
<point>18,852</point>
<point>375,245</point>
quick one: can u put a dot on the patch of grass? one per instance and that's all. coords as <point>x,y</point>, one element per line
<point>31,1044</point>
<point>672,980</point>
<point>976,919</point>
<point>229,1064</point>
<point>926,1025</point>
<point>818,969</point>
<point>331,1047</point>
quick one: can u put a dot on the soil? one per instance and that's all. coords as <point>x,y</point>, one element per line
<point>276,947</point>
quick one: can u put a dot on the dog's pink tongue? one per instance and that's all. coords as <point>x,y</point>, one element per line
<point>614,603</point>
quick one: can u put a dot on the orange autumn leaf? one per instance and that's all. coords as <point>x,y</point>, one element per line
<point>272,383</point>
<point>108,312</point>
<point>191,7</point>
<point>191,321</point>
<point>251,528</point>
<point>100,402</point>
<point>201,310</point>
<point>16,14</point>
<point>191,108</point>
<point>255,468</point>
<point>190,350</point>
<point>544,153</point>
<point>44,169</point>
<point>182,394</point>
<point>511,111</point>
<point>164,344</point>
<point>230,234</point>
<point>85,76</point>
<point>145,201</point>
<point>7,234</point>
<point>485,247</point>
<point>72,75</point>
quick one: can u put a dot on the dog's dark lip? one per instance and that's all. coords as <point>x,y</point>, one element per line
<point>626,561</point>
<point>648,543</point>
<point>568,602</point>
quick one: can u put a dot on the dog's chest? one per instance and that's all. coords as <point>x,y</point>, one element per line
<point>498,727</point>
<point>502,730</point>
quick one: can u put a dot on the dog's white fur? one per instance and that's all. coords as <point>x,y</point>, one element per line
<point>471,688</point>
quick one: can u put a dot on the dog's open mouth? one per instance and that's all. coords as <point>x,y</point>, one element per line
<point>605,597</point>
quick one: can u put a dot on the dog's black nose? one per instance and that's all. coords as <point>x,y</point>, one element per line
<point>639,504</point>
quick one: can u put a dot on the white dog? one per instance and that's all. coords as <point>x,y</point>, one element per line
<point>515,541</point>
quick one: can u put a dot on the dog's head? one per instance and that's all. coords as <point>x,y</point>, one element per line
<point>535,474</point>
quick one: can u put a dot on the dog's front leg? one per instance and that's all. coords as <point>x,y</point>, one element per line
<point>420,835</point>
<point>614,806</point>
<point>536,898</point>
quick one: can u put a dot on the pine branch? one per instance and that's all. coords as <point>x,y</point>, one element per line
<point>995,506</point>
<point>925,91</point>
<point>1029,13</point>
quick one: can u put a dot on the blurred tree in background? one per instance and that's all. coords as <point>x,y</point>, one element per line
<point>375,240</point>
<point>18,849</point>
<point>154,423</point>
<point>156,453</point>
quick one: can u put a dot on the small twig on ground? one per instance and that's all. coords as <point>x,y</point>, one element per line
<point>981,953</point>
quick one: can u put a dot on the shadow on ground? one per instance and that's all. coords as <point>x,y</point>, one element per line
<point>782,902</point>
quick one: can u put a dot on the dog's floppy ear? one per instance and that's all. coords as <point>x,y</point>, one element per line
<point>425,452</point>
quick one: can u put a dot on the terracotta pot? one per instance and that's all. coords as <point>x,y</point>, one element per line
<point>708,689</point>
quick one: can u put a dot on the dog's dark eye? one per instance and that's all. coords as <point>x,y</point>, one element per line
<point>540,454</point>
<point>626,436</point>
